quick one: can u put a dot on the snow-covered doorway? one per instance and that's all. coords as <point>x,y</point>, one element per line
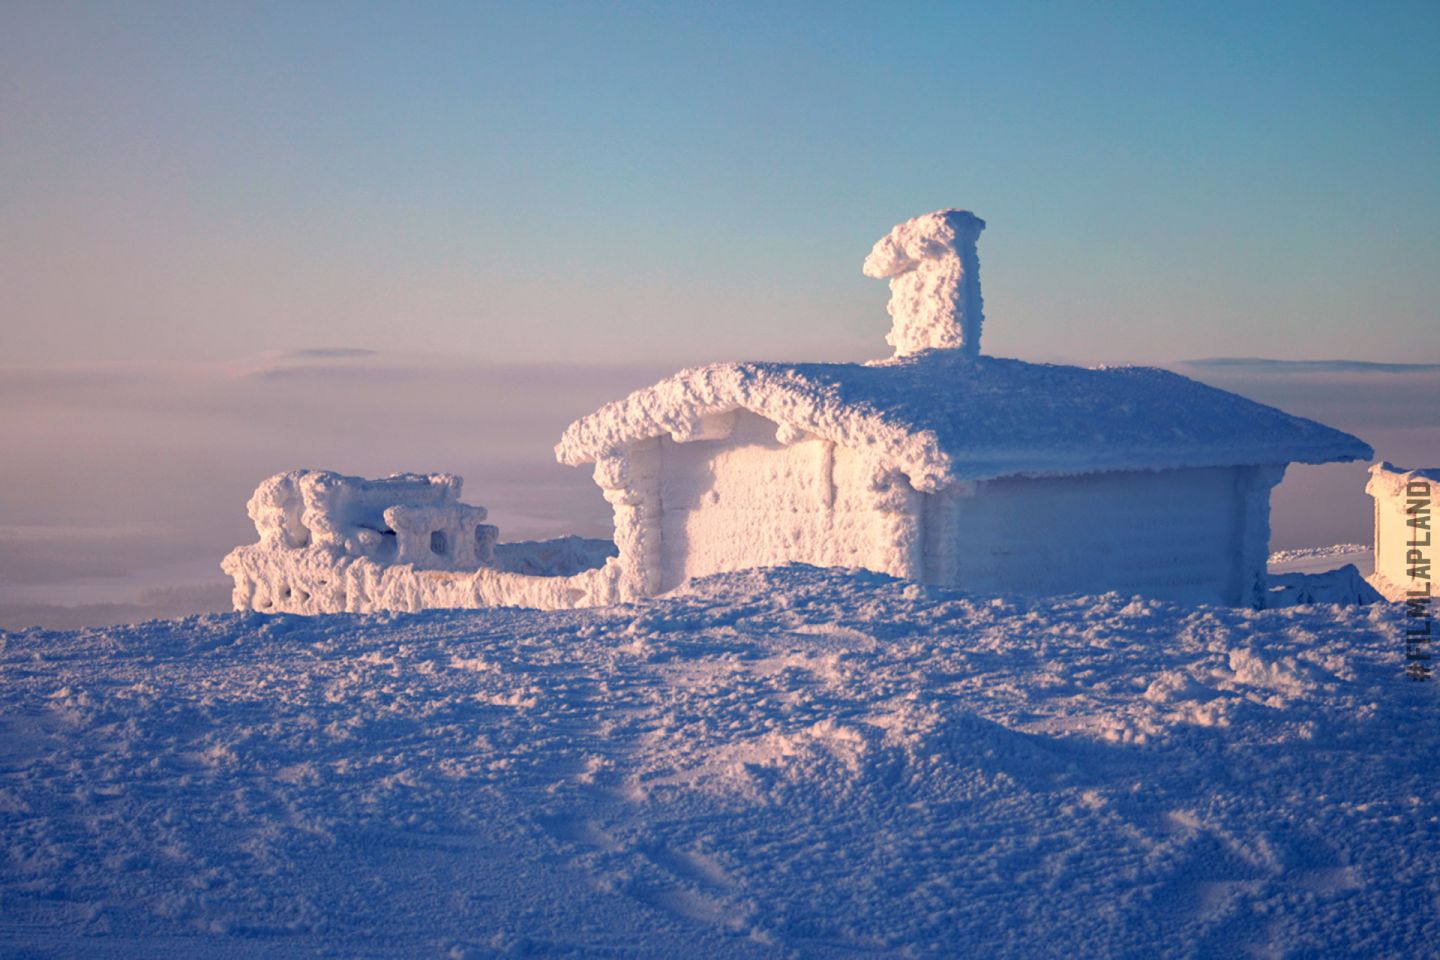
<point>754,500</point>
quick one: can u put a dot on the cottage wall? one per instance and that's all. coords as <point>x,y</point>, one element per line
<point>1196,535</point>
<point>750,498</point>
<point>740,491</point>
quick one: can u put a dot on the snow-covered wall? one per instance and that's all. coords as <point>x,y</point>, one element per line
<point>1191,535</point>
<point>1405,550</point>
<point>313,580</point>
<point>764,495</point>
<point>750,493</point>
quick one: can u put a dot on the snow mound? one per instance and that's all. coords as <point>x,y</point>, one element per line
<point>791,762</point>
<point>1343,585</point>
<point>561,557</point>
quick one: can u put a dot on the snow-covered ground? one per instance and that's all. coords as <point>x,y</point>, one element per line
<point>790,763</point>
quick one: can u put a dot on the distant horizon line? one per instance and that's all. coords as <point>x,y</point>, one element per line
<point>284,364</point>
<point>1371,366</point>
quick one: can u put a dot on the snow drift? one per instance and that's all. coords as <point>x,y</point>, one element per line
<point>787,763</point>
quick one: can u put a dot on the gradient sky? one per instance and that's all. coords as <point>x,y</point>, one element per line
<point>238,238</point>
<point>595,183</point>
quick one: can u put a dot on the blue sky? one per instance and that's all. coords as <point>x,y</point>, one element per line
<point>598,183</point>
<point>525,210</point>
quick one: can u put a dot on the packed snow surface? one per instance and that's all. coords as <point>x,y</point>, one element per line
<point>769,764</point>
<point>941,417</point>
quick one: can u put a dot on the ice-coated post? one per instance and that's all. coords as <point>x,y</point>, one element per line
<point>934,274</point>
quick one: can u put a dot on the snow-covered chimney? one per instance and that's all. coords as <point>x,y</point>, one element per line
<point>934,275</point>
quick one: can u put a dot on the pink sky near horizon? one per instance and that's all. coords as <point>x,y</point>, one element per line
<point>369,237</point>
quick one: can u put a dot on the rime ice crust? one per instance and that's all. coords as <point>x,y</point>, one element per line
<point>934,273</point>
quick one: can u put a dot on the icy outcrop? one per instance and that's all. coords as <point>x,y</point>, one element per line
<point>934,274</point>
<point>331,543</point>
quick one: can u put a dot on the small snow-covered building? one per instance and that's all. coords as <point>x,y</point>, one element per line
<point>984,474</point>
<point>938,464</point>
<point>945,466</point>
<point>1405,545</point>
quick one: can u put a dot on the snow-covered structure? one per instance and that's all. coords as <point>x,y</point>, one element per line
<point>1405,545</point>
<point>332,543</point>
<point>410,518</point>
<point>938,464</point>
<point>986,474</point>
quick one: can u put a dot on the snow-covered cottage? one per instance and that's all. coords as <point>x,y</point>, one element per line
<point>945,466</point>
<point>938,464</point>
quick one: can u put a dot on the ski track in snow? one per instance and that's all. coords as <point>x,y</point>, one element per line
<point>782,763</point>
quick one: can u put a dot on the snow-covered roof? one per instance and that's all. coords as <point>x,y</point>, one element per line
<point>941,417</point>
<point>1424,473</point>
<point>1388,480</point>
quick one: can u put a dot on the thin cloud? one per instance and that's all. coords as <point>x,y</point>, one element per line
<point>1260,364</point>
<point>331,353</point>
